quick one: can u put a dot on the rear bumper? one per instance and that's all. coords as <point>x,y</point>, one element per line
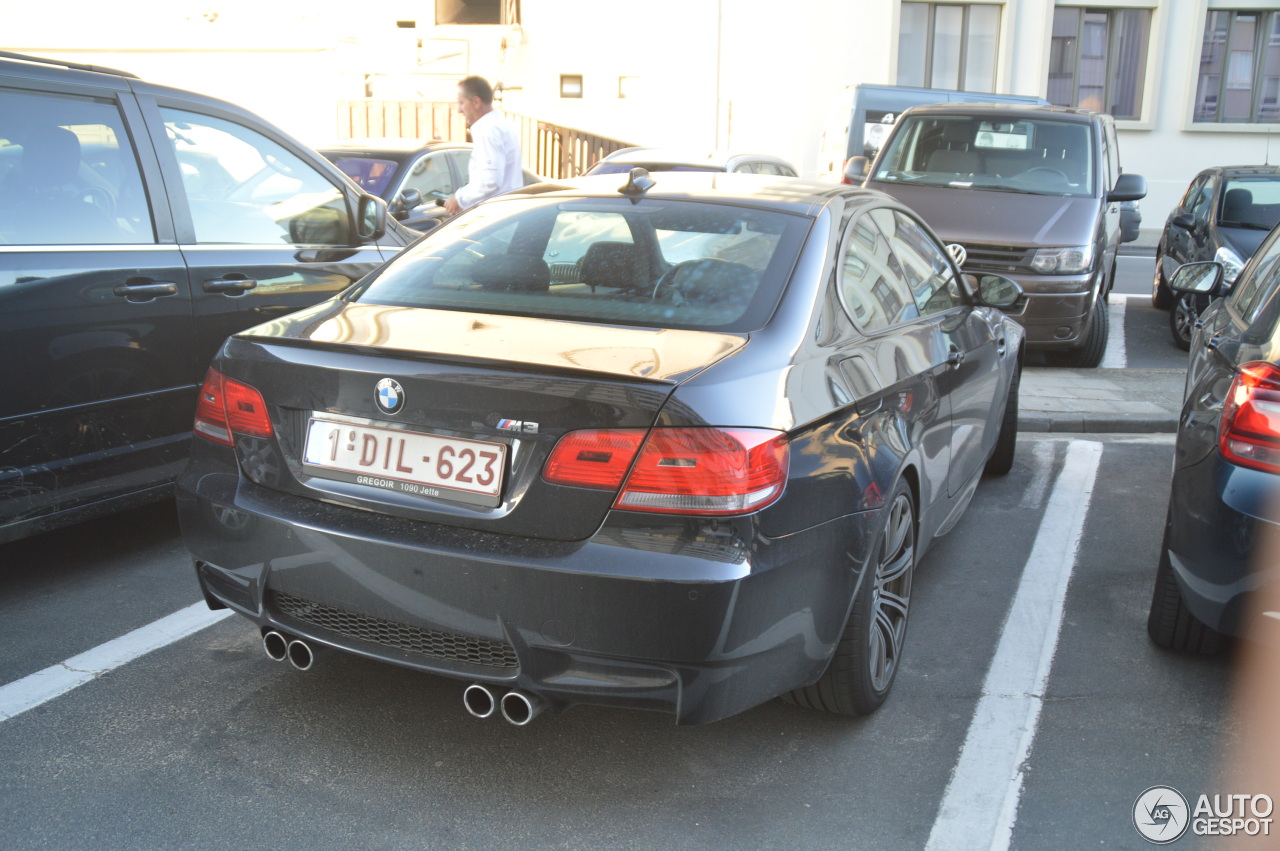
<point>702,619</point>
<point>1224,536</point>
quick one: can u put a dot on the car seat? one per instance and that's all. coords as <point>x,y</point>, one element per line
<point>618,265</point>
<point>956,157</point>
<point>48,203</point>
<point>512,273</point>
<point>1237,206</point>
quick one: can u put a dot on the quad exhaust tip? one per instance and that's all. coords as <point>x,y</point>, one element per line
<point>275,645</point>
<point>479,701</point>
<point>520,708</point>
<point>302,655</point>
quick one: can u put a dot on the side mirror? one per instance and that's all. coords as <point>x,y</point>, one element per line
<point>995,290</point>
<point>1129,187</point>
<point>1183,220</point>
<point>1197,278</point>
<point>371,217</point>
<point>855,171</point>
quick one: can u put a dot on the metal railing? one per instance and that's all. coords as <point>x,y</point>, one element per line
<point>551,150</point>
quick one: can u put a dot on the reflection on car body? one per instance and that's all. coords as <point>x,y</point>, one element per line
<point>624,441</point>
<point>1224,502</point>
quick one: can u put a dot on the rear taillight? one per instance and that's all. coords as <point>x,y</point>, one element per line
<point>715,471</point>
<point>1250,431</point>
<point>227,406</point>
<point>593,459</point>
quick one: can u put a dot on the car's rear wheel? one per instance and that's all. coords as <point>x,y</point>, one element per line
<point>1182,321</point>
<point>1161,295</point>
<point>1090,353</point>
<point>1170,624</point>
<point>866,660</point>
<point>1001,460</point>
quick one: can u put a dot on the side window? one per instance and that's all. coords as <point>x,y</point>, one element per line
<point>927,270</point>
<point>744,168</point>
<point>1251,293</point>
<point>430,176</point>
<point>244,188</point>
<point>1194,194</point>
<point>462,159</point>
<point>69,174</point>
<point>871,281</point>
<point>1204,205</point>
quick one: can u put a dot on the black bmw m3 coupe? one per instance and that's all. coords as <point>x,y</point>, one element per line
<point>672,442</point>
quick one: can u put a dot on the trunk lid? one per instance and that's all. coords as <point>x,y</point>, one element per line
<point>502,388</point>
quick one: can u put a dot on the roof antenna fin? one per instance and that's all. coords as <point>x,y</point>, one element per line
<point>638,182</point>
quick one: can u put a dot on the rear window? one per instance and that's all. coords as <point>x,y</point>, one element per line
<point>625,168</point>
<point>654,263</point>
<point>370,173</point>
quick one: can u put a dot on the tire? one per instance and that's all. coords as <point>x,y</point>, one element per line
<point>1161,295</point>
<point>861,672</point>
<point>1088,355</point>
<point>1001,460</point>
<point>1170,624</point>
<point>1182,318</point>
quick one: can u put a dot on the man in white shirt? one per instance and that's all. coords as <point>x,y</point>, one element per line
<point>495,157</point>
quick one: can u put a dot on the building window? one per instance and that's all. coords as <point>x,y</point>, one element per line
<point>948,46</point>
<point>570,85</point>
<point>497,12</point>
<point>1098,59</point>
<point>628,86</point>
<point>1240,68</point>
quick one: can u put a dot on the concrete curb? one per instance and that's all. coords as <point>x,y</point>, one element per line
<point>1037,421</point>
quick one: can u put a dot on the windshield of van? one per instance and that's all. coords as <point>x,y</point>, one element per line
<point>1035,156</point>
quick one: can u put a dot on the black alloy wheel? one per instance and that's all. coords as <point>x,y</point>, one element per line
<point>866,660</point>
<point>1170,623</point>
<point>1182,321</point>
<point>1161,295</point>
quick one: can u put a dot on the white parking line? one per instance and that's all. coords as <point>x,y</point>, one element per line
<point>980,807</point>
<point>31,691</point>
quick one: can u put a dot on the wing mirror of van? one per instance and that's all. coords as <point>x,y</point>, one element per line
<point>408,200</point>
<point>371,217</point>
<point>855,171</point>
<point>1198,278</point>
<point>1129,187</point>
<point>994,290</point>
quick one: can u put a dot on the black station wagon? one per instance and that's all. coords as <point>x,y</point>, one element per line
<point>139,226</point>
<point>673,442</point>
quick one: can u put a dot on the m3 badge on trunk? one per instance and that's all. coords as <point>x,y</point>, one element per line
<point>389,395</point>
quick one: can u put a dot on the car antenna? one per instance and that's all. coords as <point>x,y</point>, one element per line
<point>638,182</point>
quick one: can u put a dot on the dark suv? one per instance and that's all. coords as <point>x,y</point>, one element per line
<point>139,227</point>
<point>1032,192</point>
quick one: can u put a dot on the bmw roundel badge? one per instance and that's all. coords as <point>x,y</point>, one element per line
<point>390,395</point>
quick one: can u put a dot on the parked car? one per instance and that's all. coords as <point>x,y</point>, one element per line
<point>1224,502</point>
<point>659,159</point>
<point>139,226</point>
<point>1224,216</point>
<point>412,176</point>
<point>680,478</point>
<point>1033,192</point>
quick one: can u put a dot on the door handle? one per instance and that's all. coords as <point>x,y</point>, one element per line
<point>1213,342</point>
<point>231,286</point>
<point>955,357</point>
<point>140,290</point>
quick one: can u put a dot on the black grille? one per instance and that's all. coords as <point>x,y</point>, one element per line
<point>413,639</point>
<point>1006,258</point>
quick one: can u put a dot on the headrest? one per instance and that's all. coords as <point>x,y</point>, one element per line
<point>1237,205</point>
<point>50,156</point>
<point>512,273</point>
<point>614,264</point>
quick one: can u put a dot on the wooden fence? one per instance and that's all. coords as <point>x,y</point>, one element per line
<point>549,149</point>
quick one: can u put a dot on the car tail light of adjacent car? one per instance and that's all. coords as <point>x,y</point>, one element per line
<point>226,406</point>
<point>708,471</point>
<point>1250,432</point>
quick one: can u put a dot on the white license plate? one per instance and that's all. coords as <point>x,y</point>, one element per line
<point>409,462</point>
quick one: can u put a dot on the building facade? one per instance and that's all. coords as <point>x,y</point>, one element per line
<point>1191,82</point>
